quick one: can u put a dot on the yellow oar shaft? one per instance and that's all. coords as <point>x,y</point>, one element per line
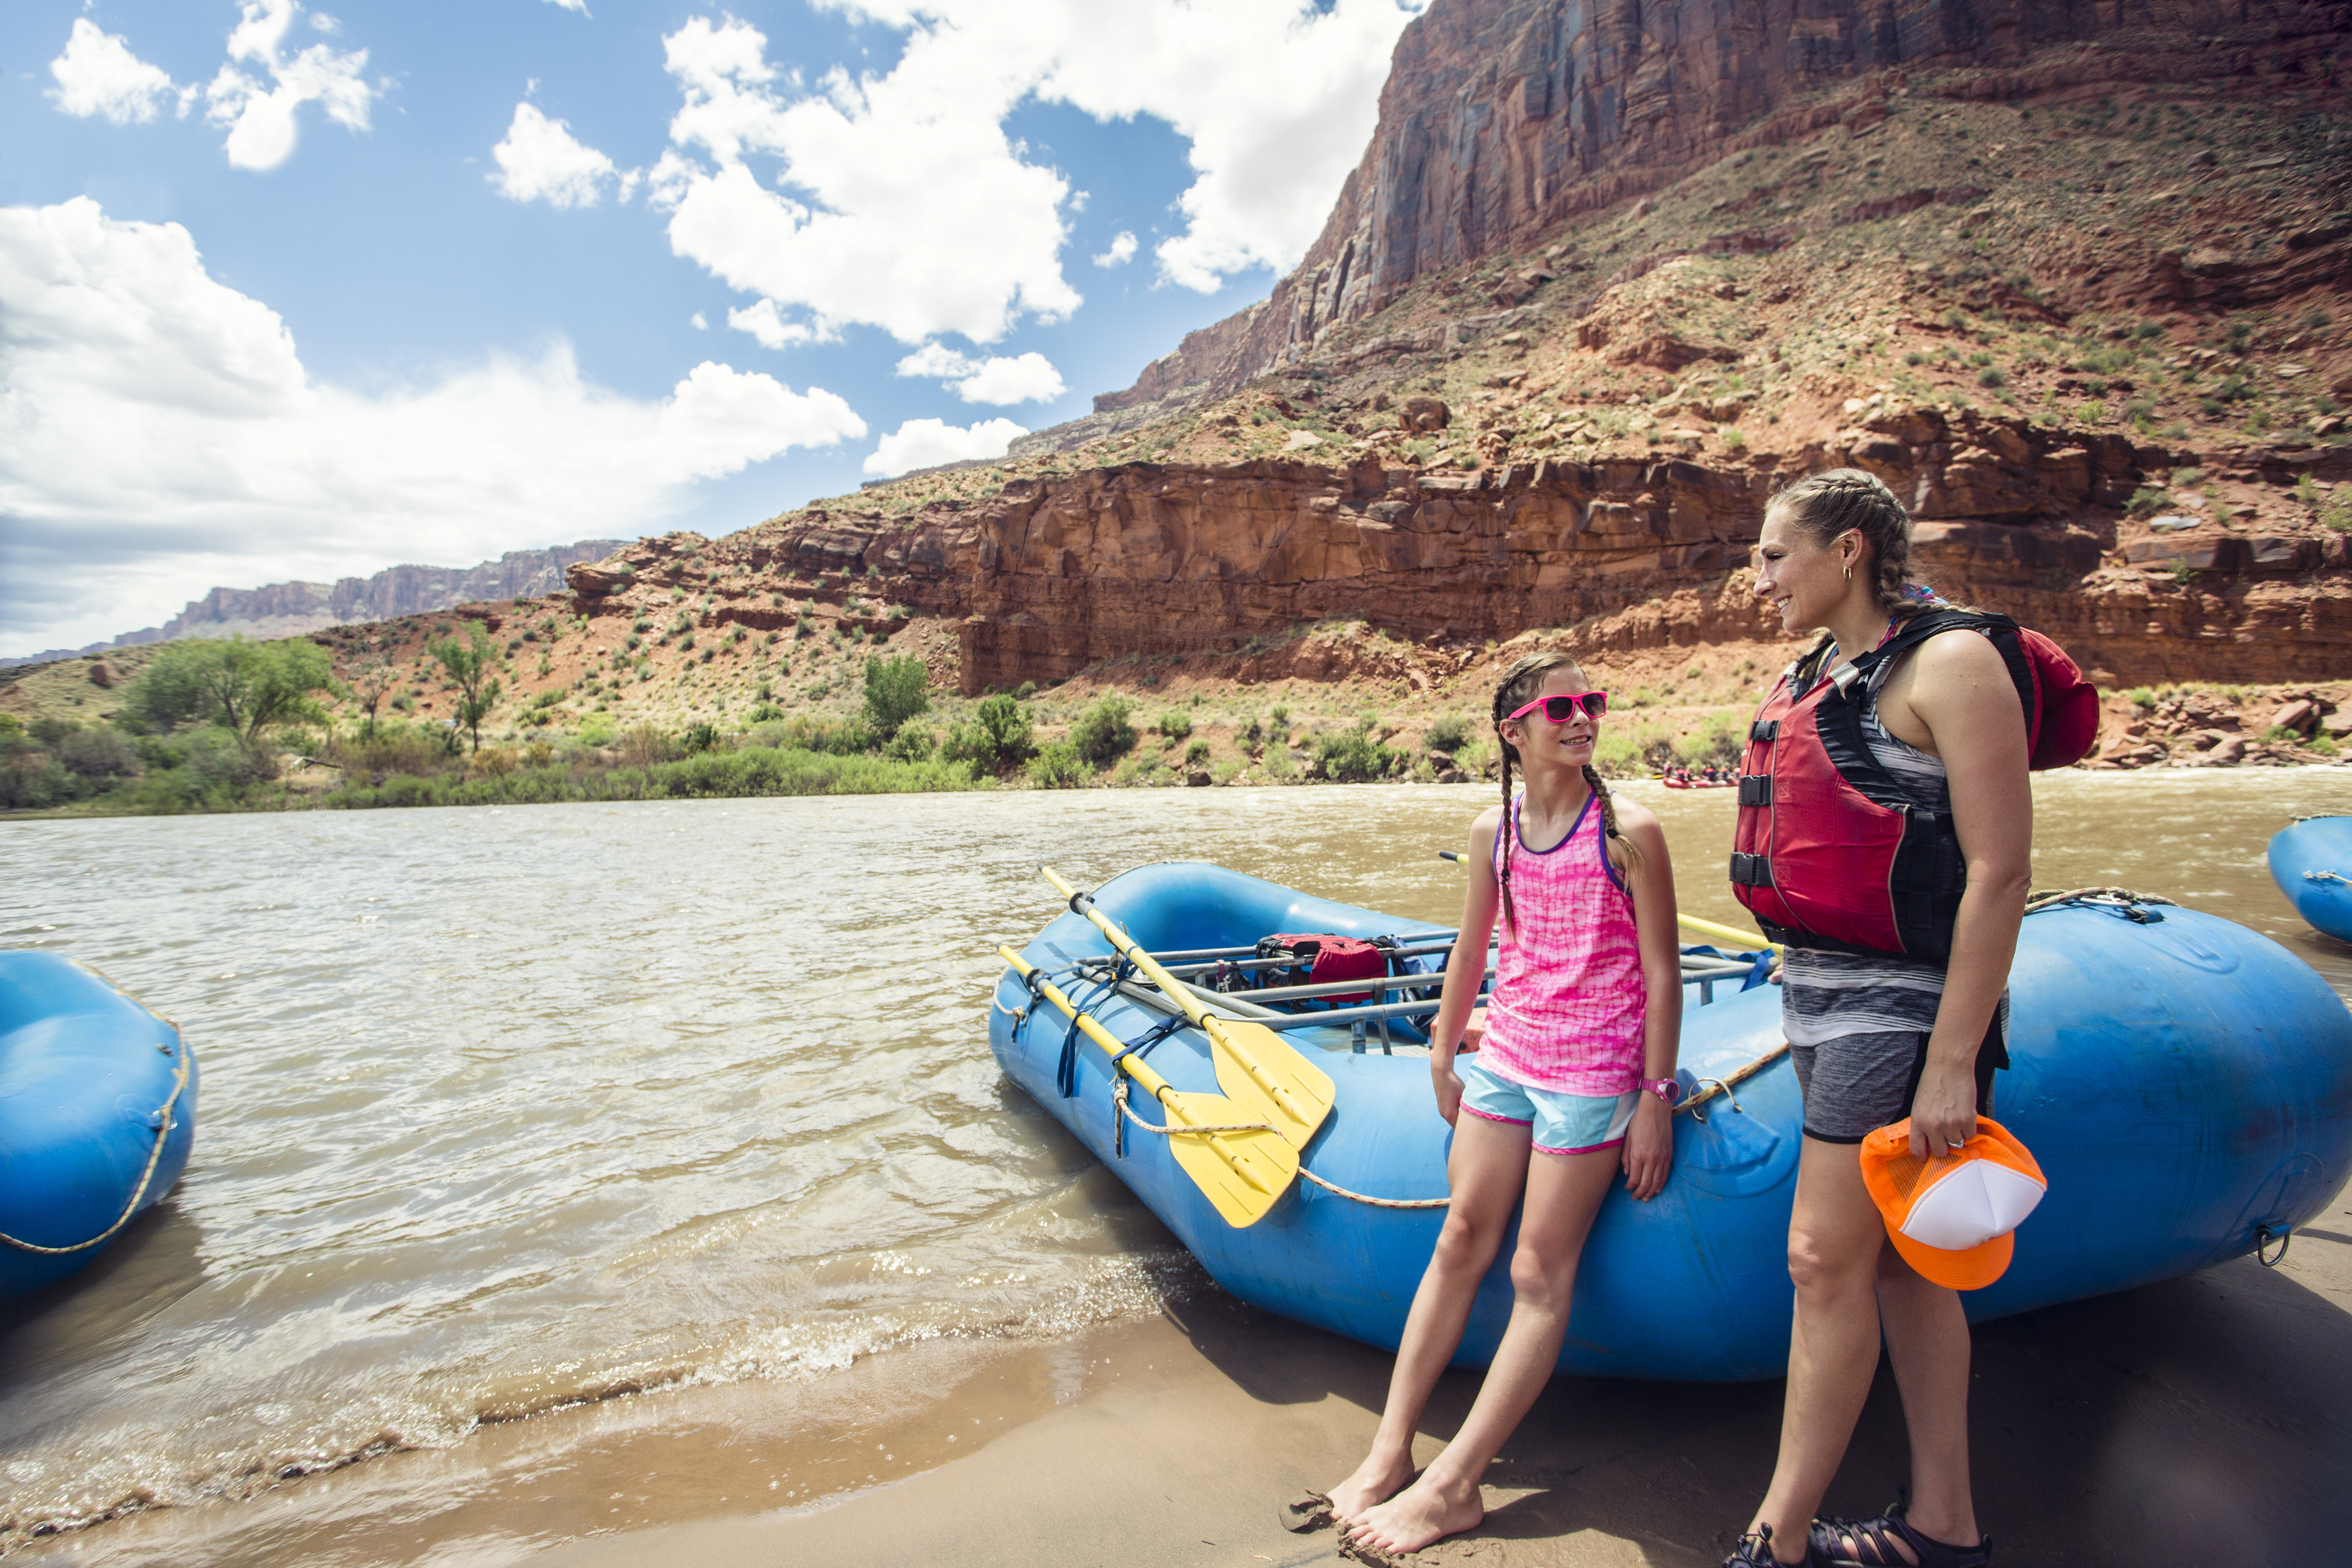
<point>1130,949</point>
<point>1140,1073</point>
<point>1747,941</point>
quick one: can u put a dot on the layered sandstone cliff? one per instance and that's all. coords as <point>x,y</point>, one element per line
<point>1503,120</point>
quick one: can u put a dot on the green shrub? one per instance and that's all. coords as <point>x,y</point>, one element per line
<point>1197,752</point>
<point>597,729</point>
<point>699,738</point>
<point>1448,733</point>
<point>2141,697</point>
<point>1174,725</point>
<point>2148,500</point>
<point>1993,375</point>
<point>1058,767</point>
<point>912,743</point>
<point>1103,733</point>
<point>1000,735</point>
<point>1352,756</point>
<point>896,691</point>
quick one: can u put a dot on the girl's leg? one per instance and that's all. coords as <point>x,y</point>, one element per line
<point>1834,1240</point>
<point>1484,1174</point>
<point>1564,1192</point>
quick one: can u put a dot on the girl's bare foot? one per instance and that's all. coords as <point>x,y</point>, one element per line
<point>1421,1515</point>
<point>1375,1480</point>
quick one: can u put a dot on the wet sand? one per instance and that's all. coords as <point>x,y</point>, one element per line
<point>2214,1408</point>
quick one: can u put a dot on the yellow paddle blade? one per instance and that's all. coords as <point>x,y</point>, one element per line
<point>1242,1174</point>
<point>1263,1074</point>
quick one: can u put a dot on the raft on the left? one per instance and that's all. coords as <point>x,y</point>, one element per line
<point>98,1110</point>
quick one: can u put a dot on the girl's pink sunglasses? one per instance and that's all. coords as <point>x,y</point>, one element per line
<point>1562,707</point>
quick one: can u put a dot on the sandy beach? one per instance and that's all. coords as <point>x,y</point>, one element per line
<point>2112,1430</point>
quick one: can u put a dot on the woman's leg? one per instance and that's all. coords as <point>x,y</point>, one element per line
<point>1927,1338</point>
<point>1834,1238</point>
<point>1485,1175</point>
<point>1564,1192</point>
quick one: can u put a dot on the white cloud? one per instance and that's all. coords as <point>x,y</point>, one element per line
<point>897,201</point>
<point>1121,251</point>
<point>926,443</point>
<point>1276,97</point>
<point>701,323</point>
<point>767,323</point>
<point>539,160</point>
<point>578,6</point>
<point>1030,378</point>
<point>260,116</point>
<point>98,74</point>
<point>159,435</point>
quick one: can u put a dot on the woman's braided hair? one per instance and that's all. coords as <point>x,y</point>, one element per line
<point>1841,500</point>
<point>1519,685</point>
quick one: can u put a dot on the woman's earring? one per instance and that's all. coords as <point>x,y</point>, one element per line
<point>1849,571</point>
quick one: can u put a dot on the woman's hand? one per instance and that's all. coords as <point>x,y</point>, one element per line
<point>1649,1147</point>
<point>1943,1111</point>
<point>1448,1084</point>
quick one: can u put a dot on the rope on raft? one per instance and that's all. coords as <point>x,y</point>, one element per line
<point>154,1157</point>
<point>2037,902</point>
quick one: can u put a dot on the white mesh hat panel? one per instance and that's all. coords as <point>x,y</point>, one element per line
<point>1971,1203</point>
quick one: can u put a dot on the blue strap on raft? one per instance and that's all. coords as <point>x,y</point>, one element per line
<point>1150,1037</point>
<point>1066,1073</point>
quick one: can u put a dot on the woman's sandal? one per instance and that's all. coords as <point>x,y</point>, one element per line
<point>1870,1544</point>
<point>1755,1550</point>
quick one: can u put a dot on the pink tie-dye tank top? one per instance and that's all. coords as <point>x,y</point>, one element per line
<point>1570,999</point>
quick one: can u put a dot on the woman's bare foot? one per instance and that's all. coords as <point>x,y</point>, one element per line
<point>1375,1480</point>
<point>1421,1515</point>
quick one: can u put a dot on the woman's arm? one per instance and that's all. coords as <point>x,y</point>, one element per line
<point>1963,695</point>
<point>1465,969</point>
<point>1650,1140</point>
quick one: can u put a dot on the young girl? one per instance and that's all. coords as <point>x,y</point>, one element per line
<point>1574,1082</point>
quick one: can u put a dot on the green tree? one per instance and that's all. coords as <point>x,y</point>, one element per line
<point>469,664</point>
<point>243,686</point>
<point>369,688</point>
<point>896,691</point>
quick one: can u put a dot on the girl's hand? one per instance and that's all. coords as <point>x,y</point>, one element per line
<point>1448,1084</point>
<point>1649,1147</point>
<point>1943,1111</point>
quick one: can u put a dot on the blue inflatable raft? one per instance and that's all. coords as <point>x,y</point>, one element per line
<point>97,1110</point>
<point>2185,1083</point>
<point>2311,861</point>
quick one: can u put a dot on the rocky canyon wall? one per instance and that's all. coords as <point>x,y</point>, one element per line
<point>1503,119</point>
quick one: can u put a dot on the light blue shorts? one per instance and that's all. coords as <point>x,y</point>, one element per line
<point>1561,1123</point>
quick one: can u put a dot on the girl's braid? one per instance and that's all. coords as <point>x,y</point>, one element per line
<point>1517,682</point>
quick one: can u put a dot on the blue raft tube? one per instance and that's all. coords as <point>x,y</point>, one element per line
<point>98,1112</point>
<point>2311,860</point>
<point>2185,1083</point>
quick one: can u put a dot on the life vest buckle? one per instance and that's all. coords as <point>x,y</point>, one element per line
<point>1756,789</point>
<point>1751,870</point>
<point>1764,730</point>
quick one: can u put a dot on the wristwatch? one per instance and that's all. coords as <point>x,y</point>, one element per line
<point>1666,1089</point>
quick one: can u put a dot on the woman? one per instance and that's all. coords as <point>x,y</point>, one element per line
<point>1877,1036</point>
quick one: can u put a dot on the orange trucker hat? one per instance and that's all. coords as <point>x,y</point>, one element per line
<point>1953,1217</point>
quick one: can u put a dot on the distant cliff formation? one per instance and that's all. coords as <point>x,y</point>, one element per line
<point>290,609</point>
<point>1503,119</point>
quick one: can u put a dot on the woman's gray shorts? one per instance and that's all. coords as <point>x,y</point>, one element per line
<point>1855,1084</point>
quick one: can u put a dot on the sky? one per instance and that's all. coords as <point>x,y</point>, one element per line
<point>300,292</point>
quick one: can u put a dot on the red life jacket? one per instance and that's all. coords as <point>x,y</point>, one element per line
<point>1317,957</point>
<point>1831,852</point>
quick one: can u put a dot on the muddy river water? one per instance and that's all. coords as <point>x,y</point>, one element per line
<point>676,1114</point>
